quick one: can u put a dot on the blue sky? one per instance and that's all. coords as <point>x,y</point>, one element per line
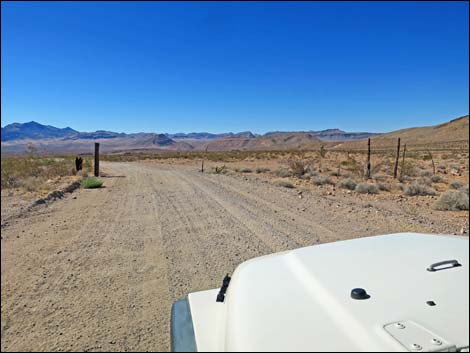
<point>229,66</point>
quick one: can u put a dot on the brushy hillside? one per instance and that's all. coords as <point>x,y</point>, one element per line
<point>452,134</point>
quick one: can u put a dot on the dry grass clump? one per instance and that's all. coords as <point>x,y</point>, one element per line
<point>283,183</point>
<point>417,189</point>
<point>452,200</point>
<point>282,172</point>
<point>245,170</point>
<point>366,188</point>
<point>321,180</point>
<point>456,185</point>
<point>348,183</point>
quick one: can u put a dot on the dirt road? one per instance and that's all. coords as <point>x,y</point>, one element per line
<point>99,269</point>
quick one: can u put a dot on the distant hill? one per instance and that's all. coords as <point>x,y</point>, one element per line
<point>34,131</point>
<point>454,133</point>
<point>332,135</point>
<point>275,141</point>
<point>209,136</point>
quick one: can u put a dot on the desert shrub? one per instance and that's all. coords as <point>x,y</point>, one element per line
<point>384,187</point>
<point>425,173</point>
<point>262,170</point>
<point>321,180</point>
<point>409,169</point>
<point>245,170</point>
<point>416,189</point>
<point>437,179</point>
<point>456,185</point>
<point>91,183</point>
<point>282,172</point>
<point>283,183</point>
<point>352,166</point>
<point>424,181</point>
<point>365,188</point>
<point>452,200</point>
<point>347,184</point>
<point>297,167</point>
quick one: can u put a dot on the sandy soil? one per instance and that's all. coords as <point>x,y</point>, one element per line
<point>99,269</point>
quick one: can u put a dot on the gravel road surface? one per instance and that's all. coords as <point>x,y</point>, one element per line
<point>99,269</point>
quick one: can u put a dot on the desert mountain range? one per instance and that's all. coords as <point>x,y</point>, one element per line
<point>16,138</point>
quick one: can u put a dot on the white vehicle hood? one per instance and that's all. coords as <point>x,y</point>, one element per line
<point>301,300</point>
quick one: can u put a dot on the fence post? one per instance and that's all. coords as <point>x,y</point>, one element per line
<point>395,170</point>
<point>368,159</point>
<point>403,162</point>
<point>97,159</point>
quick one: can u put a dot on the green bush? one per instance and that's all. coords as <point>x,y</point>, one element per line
<point>91,183</point>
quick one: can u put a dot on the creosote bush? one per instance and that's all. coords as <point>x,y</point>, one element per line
<point>452,200</point>
<point>366,188</point>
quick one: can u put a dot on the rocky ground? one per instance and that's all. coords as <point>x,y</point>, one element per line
<point>99,269</point>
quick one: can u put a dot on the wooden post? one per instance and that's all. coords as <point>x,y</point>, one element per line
<point>395,170</point>
<point>97,159</point>
<point>368,159</point>
<point>432,161</point>
<point>403,161</point>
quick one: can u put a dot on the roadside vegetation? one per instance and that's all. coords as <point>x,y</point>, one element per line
<point>33,172</point>
<point>91,183</point>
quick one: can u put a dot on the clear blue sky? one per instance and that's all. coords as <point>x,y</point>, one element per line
<point>181,67</point>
